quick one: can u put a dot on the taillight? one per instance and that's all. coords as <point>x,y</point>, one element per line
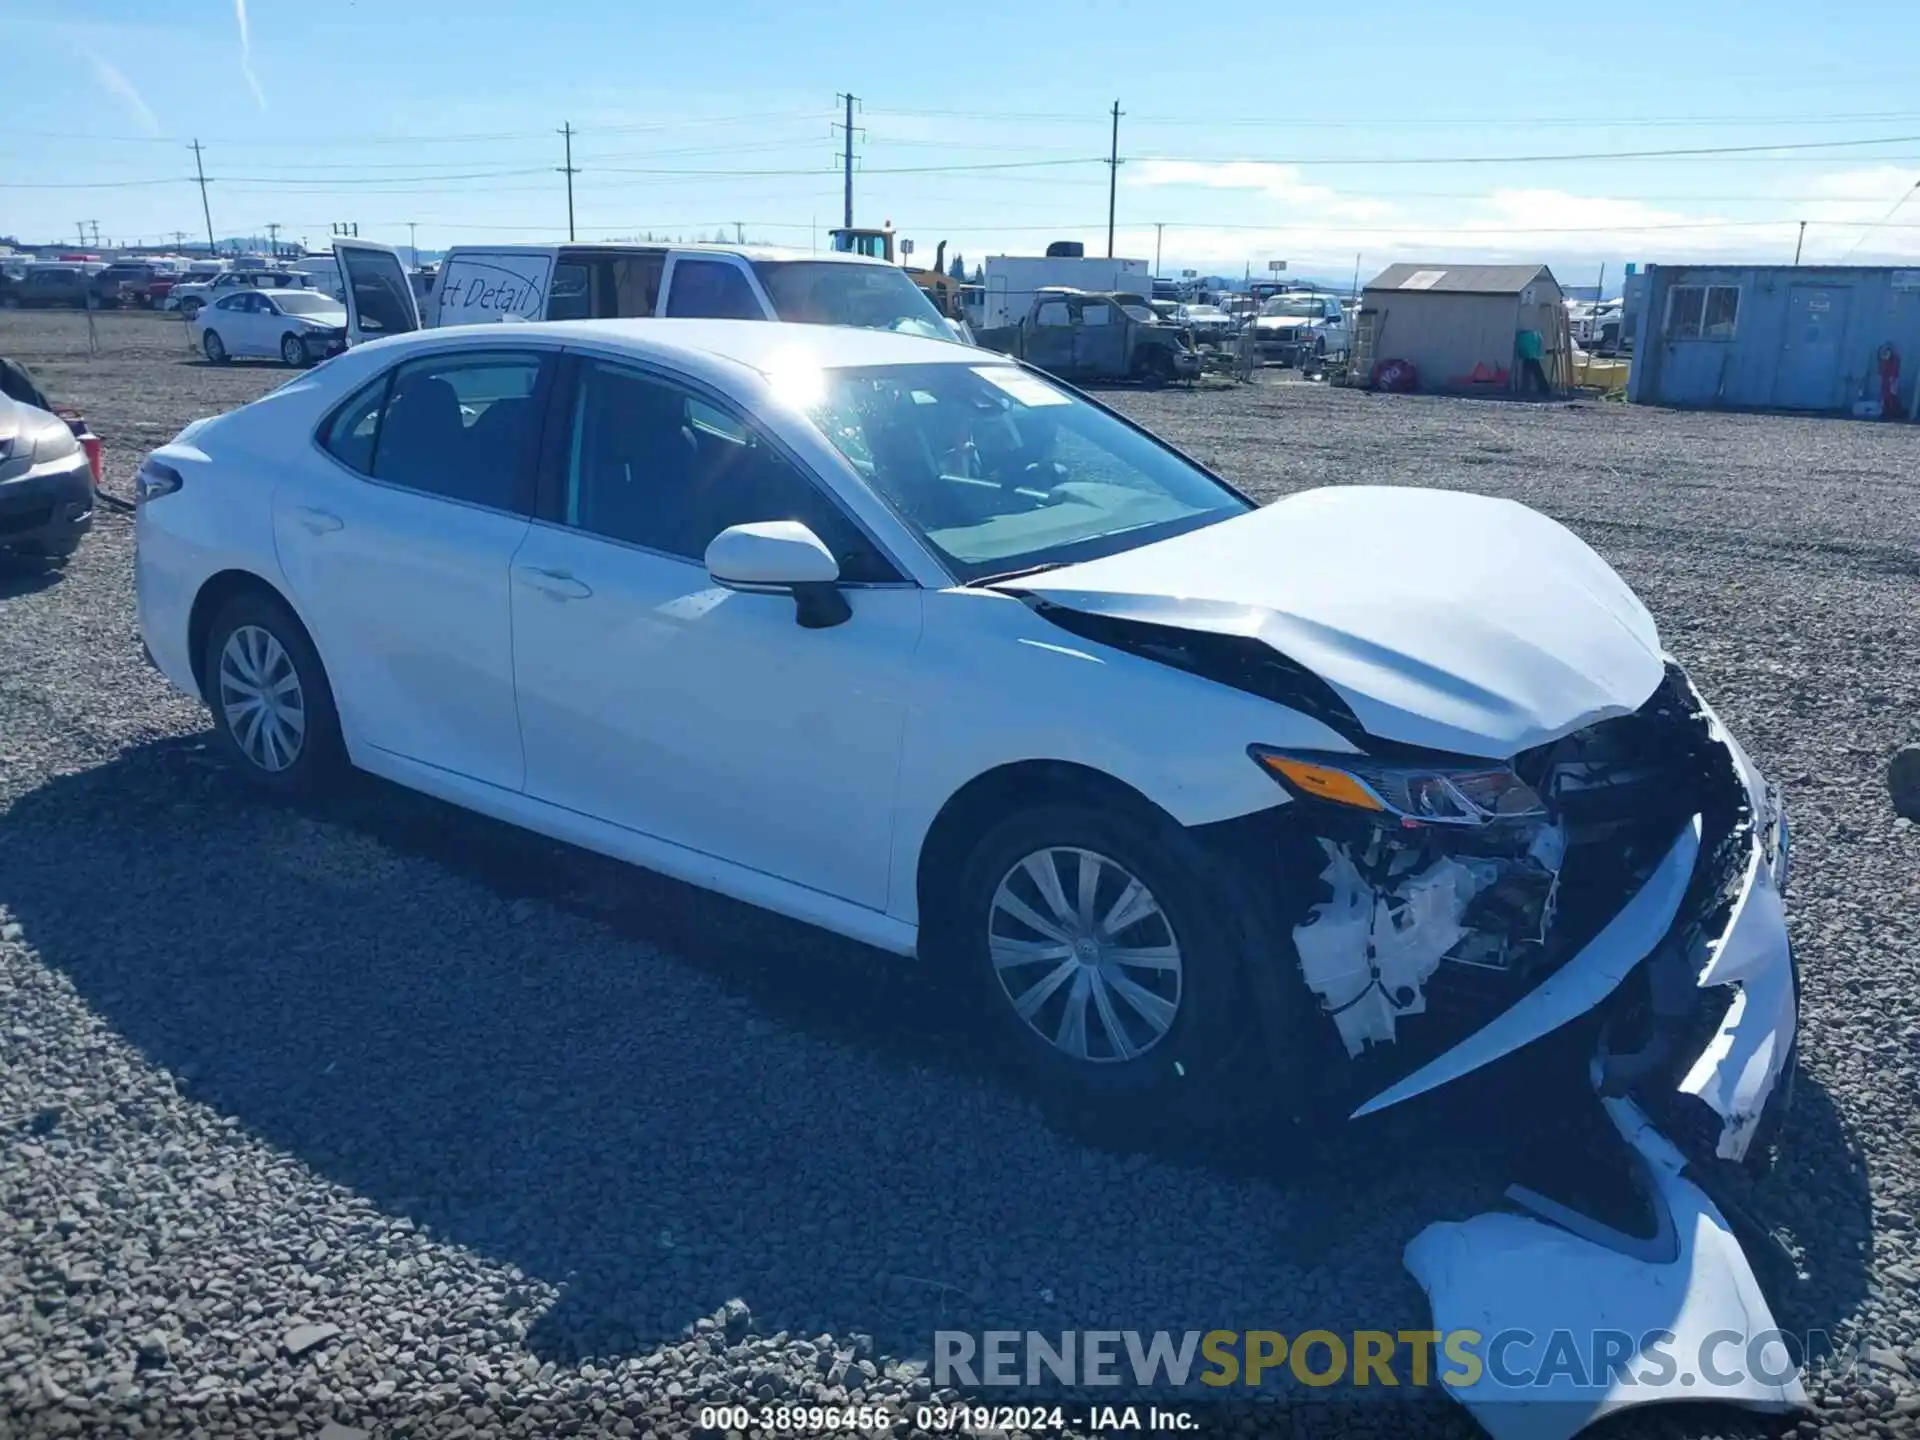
<point>154,479</point>
<point>91,444</point>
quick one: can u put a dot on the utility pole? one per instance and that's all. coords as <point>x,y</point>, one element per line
<point>83,234</point>
<point>179,239</point>
<point>568,170</point>
<point>1113,177</point>
<point>740,232</point>
<point>846,160</point>
<point>413,244</point>
<point>273,238</point>
<point>1158,227</point>
<point>1801,241</point>
<point>96,234</point>
<point>200,170</point>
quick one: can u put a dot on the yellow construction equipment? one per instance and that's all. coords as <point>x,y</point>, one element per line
<point>940,287</point>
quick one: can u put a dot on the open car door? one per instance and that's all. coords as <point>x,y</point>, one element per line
<point>379,295</point>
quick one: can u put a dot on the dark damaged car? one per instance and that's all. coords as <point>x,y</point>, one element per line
<point>1390,790</point>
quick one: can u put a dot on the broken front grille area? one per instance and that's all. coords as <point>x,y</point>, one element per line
<point>1452,924</point>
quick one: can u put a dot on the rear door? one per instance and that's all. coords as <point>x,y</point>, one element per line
<point>397,549</point>
<point>379,295</point>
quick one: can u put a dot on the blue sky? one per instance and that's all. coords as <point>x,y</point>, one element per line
<point>1248,135</point>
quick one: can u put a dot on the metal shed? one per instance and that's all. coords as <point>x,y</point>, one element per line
<point>1458,325</point>
<point>1774,337</point>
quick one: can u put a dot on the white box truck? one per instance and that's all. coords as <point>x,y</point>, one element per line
<point>1011,281</point>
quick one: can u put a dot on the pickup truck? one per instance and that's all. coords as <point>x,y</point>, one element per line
<point>1096,335</point>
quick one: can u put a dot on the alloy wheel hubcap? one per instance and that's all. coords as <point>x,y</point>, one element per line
<point>261,699</point>
<point>1085,955</point>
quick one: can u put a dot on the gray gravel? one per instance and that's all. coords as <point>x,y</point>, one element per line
<point>379,1114</point>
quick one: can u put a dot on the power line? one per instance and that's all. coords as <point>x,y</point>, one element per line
<point>1905,196</point>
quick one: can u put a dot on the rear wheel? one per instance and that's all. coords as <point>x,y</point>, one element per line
<point>272,706</point>
<point>190,307</point>
<point>216,349</point>
<point>1106,964</point>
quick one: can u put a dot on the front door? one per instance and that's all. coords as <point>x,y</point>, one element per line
<point>1100,341</point>
<point>654,699</point>
<point>1811,375</point>
<point>398,555</point>
<point>1050,336</point>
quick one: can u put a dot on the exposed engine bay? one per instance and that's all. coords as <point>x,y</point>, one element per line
<point>1467,916</point>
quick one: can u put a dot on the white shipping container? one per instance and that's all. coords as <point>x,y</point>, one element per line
<point>1011,281</point>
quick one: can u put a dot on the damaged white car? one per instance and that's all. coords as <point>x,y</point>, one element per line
<point>916,644</point>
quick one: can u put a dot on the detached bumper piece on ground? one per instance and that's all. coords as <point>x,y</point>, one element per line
<point>1693,981</point>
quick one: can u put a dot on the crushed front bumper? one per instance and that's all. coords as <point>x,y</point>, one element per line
<point>1558,1272</point>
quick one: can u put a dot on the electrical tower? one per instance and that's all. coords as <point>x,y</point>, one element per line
<point>846,156</point>
<point>568,170</point>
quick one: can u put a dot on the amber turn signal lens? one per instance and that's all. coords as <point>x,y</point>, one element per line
<point>1323,782</point>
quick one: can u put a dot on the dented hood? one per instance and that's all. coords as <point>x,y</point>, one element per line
<point>1454,621</point>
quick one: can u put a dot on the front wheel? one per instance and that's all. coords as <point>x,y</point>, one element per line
<point>1155,369</point>
<point>292,352</point>
<point>1107,966</point>
<point>272,706</point>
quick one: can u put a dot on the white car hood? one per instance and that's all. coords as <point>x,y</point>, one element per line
<point>1453,621</point>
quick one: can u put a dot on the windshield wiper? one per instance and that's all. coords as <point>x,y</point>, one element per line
<point>1020,574</point>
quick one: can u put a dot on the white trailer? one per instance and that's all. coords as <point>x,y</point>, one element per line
<point>1011,281</point>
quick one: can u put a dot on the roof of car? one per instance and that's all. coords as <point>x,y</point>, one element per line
<point>749,252</point>
<point>761,345</point>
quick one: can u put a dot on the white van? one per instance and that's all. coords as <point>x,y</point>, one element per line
<point>478,284</point>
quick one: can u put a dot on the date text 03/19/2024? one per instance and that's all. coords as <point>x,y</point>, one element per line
<point>955,1419</point>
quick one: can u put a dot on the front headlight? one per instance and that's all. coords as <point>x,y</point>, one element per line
<point>1468,794</point>
<point>55,442</point>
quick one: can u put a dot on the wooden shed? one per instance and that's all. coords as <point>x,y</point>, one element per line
<point>1459,325</point>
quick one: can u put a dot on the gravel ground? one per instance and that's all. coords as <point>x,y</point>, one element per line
<point>379,1114</point>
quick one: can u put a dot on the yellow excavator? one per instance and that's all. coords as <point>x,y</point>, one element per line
<point>940,287</point>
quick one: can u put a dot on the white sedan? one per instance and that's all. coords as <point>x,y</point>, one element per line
<point>913,643</point>
<point>296,327</point>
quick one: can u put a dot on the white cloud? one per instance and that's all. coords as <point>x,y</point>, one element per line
<point>1280,182</point>
<point>246,53</point>
<point>121,88</point>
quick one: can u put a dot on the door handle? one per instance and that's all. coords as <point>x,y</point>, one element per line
<point>318,521</point>
<point>558,583</point>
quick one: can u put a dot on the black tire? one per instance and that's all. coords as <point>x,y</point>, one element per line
<point>320,756</point>
<point>214,347</point>
<point>293,354</point>
<point>1169,1078</point>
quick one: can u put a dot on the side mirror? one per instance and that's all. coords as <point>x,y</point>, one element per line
<point>781,557</point>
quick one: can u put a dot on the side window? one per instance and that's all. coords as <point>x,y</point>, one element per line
<point>570,296</point>
<point>349,436</point>
<point>654,465</point>
<point>1092,314</point>
<point>1053,312</point>
<point>635,284</point>
<point>711,290</point>
<point>233,302</point>
<point>465,426</point>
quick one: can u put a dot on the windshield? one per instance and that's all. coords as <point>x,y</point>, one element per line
<point>999,471</point>
<point>1204,312</point>
<point>834,292</point>
<point>307,302</point>
<point>1309,307</point>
